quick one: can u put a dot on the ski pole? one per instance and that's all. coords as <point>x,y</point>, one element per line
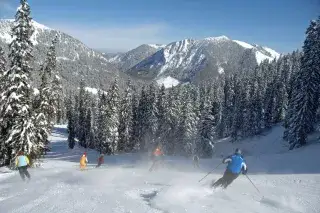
<point>253,184</point>
<point>210,172</point>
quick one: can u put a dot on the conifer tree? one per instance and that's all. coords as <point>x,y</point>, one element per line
<point>305,97</point>
<point>88,129</point>
<point>3,64</point>
<point>161,113</point>
<point>134,127</point>
<point>15,110</point>
<point>102,144</point>
<point>142,119</point>
<point>46,110</point>
<point>56,98</point>
<point>81,132</point>
<point>207,132</point>
<point>125,118</point>
<point>71,124</point>
<point>147,118</point>
<point>238,109</point>
<point>173,115</point>
<point>113,116</point>
<point>258,103</point>
<point>187,129</point>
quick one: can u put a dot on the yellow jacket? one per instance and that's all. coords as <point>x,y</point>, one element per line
<point>83,160</point>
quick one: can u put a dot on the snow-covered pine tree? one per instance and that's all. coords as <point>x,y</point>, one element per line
<point>151,118</point>
<point>92,135</point>
<point>257,102</point>
<point>173,115</point>
<point>238,108</point>
<point>187,130</point>
<point>141,119</point>
<point>76,114</point>
<point>113,116</point>
<point>207,131</point>
<point>3,65</point>
<point>269,97</point>
<point>45,112</point>
<point>296,64</point>
<point>71,123</point>
<point>305,97</point>
<point>61,111</point>
<point>147,118</point>
<point>281,81</point>
<point>102,144</point>
<point>56,98</point>
<point>225,124</point>
<point>125,119</point>
<point>161,113</point>
<point>203,111</point>
<point>15,109</point>
<point>88,128</point>
<point>134,128</point>
<point>81,132</point>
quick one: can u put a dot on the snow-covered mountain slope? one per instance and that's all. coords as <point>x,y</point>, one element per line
<point>75,60</point>
<point>285,182</point>
<point>124,61</point>
<point>168,82</point>
<point>190,59</point>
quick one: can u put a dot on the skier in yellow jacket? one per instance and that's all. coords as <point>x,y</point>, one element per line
<point>83,161</point>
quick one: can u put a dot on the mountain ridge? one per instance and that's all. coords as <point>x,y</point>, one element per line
<point>186,60</point>
<point>75,60</point>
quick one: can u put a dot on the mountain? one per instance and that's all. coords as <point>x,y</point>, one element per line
<point>192,60</point>
<point>75,60</point>
<point>125,61</point>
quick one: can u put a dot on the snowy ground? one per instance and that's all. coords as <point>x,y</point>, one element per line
<point>289,182</point>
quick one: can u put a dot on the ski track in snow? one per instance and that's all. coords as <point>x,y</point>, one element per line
<point>124,185</point>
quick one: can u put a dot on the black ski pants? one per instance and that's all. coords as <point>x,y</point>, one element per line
<point>227,178</point>
<point>23,171</point>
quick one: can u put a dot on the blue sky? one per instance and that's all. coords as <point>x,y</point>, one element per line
<point>120,25</point>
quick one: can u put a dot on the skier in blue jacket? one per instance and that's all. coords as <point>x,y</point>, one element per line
<point>236,165</point>
<point>22,163</point>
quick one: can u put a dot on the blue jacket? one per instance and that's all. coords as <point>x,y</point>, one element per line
<point>22,160</point>
<point>235,163</point>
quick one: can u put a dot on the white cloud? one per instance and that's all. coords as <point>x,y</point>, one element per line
<point>118,38</point>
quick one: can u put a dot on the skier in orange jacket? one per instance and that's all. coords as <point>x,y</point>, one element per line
<point>83,161</point>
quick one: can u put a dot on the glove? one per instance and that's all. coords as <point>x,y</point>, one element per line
<point>244,171</point>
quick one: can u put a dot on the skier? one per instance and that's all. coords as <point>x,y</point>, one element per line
<point>83,161</point>
<point>100,160</point>
<point>157,157</point>
<point>196,161</point>
<point>236,165</point>
<point>22,162</point>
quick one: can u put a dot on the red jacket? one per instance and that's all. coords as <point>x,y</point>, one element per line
<point>100,160</point>
<point>157,152</point>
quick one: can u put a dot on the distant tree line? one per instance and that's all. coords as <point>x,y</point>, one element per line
<point>187,119</point>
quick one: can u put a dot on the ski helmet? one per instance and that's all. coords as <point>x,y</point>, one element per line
<point>238,151</point>
<point>85,154</point>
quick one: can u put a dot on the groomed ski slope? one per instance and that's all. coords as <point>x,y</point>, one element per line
<point>289,182</point>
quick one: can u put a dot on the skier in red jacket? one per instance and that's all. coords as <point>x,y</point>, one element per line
<point>100,160</point>
<point>157,156</point>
